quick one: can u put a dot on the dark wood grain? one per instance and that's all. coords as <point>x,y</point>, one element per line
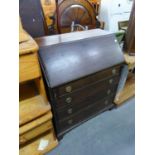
<point>71,61</point>
<point>79,84</point>
<point>129,45</point>
<point>100,86</point>
<point>85,113</point>
<point>71,110</point>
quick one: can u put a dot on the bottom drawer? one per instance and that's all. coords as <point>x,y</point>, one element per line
<point>86,113</point>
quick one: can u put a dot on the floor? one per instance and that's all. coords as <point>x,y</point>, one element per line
<point>110,133</point>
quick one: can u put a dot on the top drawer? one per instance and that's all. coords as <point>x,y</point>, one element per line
<point>79,84</point>
<point>28,67</point>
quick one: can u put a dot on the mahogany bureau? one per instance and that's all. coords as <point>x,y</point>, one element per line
<point>81,76</point>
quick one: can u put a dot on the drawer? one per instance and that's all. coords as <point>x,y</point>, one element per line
<point>107,87</point>
<point>72,110</point>
<point>28,67</point>
<point>86,113</point>
<point>79,84</point>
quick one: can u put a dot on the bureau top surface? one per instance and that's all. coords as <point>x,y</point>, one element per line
<point>69,61</point>
<point>67,37</point>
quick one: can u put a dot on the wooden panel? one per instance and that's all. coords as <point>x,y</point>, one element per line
<point>49,8</point>
<point>27,90</point>
<point>127,92</point>
<point>96,5</point>
<point>33,147</point>
<point>28,67</point>
<point>32,108</point>
<point>35,132</point>
<point>41,88</point>
<point>129,45</point>
<point>22,35</point>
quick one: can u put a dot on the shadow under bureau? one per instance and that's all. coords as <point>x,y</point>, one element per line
<point>81,76</point>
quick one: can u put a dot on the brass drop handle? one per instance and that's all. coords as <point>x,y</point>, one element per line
<point>70,111</point>
<point>109,91</point>
<point>68,89</point>
<point>68,100</point>
<point>111,81</point>
<point>114,71</point>
<point>70,121</point>
<point>106,102</point>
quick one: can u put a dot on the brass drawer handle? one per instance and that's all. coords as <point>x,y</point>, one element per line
<point>111,81</point>
<point>70,121</point>
<point>68,100</point>
<point>68,89</point>
<point>109,91</point>
<point>114,71</point>
<point>70,111</point>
